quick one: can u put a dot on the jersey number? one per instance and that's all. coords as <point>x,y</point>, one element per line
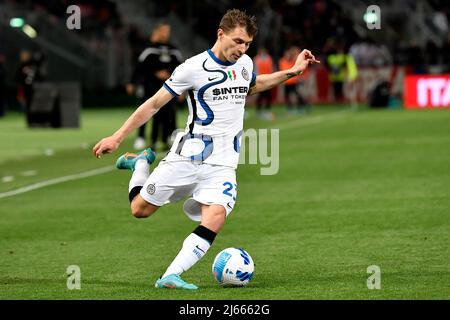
<point>229,186</point>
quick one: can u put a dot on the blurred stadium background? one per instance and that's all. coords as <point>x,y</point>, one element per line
<point>100,57</point>
<point>363,179</point>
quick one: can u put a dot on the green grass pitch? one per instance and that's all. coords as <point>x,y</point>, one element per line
<point>354,189</point>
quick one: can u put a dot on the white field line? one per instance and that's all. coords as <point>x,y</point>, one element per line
<point>50,182</point>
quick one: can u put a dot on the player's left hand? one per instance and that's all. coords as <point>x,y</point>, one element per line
<point>304,59</point>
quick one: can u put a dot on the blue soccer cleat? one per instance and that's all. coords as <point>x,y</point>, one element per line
<point>174,281</point>
<point>128,160</point>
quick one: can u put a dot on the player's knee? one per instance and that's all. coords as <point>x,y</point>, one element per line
<point>219,215</point>
<point>139,211</point>
<point>214,217</point>
<point>135,211</point>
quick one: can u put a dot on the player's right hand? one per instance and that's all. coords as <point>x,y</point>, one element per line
<point>106,145</point>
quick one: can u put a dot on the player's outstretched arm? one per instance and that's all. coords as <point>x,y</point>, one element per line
<point>268,81</point>
<point>138,118</point>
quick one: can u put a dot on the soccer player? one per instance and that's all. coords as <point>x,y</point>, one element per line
<point>202,161</point>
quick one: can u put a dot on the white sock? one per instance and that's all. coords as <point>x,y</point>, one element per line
<point>140,174</point>
<point>194,248</point>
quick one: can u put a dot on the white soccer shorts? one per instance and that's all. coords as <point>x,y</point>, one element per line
<point>203,183</point>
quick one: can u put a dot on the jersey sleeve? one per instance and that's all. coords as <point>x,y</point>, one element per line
<point>254,67</point>
<point>180,80</point>
<point>254,71</point>
<point>253,81</point>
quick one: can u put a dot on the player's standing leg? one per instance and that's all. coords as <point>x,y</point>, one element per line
<point>194,247</point>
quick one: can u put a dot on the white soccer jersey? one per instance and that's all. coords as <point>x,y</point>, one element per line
<point>216,98</point>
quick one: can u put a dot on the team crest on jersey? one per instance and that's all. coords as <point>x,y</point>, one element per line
<point>245,74</point>
<point>151,189</point>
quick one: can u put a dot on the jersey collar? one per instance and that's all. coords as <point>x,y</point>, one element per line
<point>223,63</point>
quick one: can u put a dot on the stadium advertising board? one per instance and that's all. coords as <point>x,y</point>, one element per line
<point>427,91</point>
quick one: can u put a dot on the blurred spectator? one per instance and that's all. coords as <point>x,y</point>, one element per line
<point>294,100</point>
<point>24,78</point>
<point>341,67</point>
<point>40,66</point>
<point>155,65</point>
<point>31,70</point>
<point>264,65</point>
<point>367,53</point>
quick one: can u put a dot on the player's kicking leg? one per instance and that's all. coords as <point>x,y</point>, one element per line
<point>194,247</point>
<point>139,164</point>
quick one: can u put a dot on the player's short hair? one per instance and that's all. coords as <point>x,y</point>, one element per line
<point>236,18</point>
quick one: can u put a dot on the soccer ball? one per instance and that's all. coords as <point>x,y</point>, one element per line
<point>233,267</point>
